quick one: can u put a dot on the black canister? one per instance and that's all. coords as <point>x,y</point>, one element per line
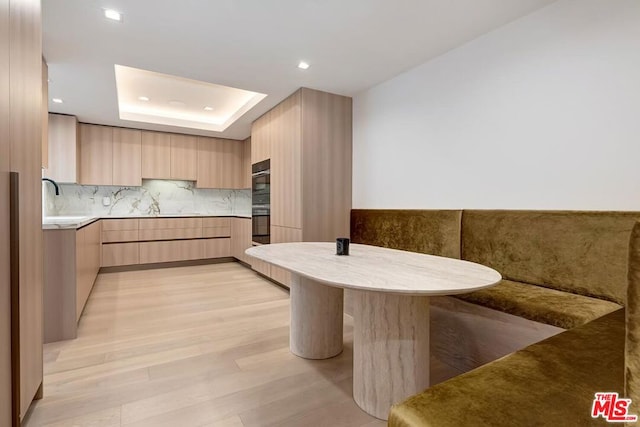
<point>342,246</point>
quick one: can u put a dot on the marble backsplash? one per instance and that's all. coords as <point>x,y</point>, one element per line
<point>154,197</point>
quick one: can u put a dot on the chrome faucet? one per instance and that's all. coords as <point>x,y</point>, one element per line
<point>55,184</point>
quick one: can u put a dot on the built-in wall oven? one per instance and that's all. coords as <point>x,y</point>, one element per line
<point>261,202</point>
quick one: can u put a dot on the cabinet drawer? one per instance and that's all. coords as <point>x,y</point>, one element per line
<point>216,232</point>
<point>119,224</point>
<point>115,254</point>
<point>167,223</point>
<point>174,250</point>
<point>217,248</point>
<point>216,222</point>
<point>170,234</point>
<point>120,236</point>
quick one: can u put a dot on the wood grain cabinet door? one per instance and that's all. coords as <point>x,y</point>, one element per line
<point>127,157</point>
<point>156,155</point>
<point>184,157</point>
<point>220,163</point>
<point>64,149</point>
<point>96,155</point>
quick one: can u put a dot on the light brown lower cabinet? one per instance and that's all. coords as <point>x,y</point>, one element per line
<point>170,234</point>
<point>116,254</point>
<point>217,248</point>
<point>72,261</point>
<point>172,250</point>
<point>241,238</point>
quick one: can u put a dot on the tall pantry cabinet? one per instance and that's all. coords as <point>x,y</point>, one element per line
<point>21,245</point>
<point>308,139</point>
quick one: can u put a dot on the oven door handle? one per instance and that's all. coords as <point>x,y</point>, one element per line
<point>261,173</point>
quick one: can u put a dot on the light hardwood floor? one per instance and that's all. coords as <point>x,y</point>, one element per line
<point>192,346</point>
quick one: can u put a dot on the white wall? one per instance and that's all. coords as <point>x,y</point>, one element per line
<point>543,113</point>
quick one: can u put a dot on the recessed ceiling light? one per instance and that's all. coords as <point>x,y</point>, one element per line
<point>113,14</point>
<point>208,109</point>
<point>143,98</point>
<point>303,65</point>
<point>57,100</point>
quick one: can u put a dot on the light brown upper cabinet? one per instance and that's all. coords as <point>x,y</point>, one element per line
<point>220,163</point>
<point>184,157</point>
<point>156,155</point>
<point>261,138</point>
<point>127,146</point>
<point>96,155</point>
<point>169,156</point>
<point>64,149</point>
<point>246,163</point>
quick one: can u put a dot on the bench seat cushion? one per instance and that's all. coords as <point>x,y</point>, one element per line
<point>550,383</point>
<point>549,306</point>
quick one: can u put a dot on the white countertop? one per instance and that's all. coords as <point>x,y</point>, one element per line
<point>79,221</point>
<point>378,269</point>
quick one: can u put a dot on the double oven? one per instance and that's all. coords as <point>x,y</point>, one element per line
<point>261,202</point>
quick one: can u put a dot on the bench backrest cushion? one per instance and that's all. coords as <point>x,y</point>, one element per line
<point>434,232</point>
<point>632,346</point>
<point>581,252</point>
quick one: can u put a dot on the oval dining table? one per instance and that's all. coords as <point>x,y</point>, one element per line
<point>391,290</point>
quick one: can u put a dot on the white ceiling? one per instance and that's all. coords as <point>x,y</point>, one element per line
<point>253,45</point>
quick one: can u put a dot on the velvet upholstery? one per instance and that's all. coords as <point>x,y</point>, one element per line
<point>552,307</point>
<point>434,232</point>
<point>550,383</point>
<point>632,357</point>
<point>579,252</point>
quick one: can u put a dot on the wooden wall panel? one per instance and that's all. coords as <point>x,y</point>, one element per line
<point>45,115</point>
<point>286,200</point>
<point>25,136</point>
<point>326,165</point>
<point>184,157</point>
<point>96,155</point>
<point>64,149</point>
<point>156,155</point>
<point>127,157</point>
<point>5,290</point>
